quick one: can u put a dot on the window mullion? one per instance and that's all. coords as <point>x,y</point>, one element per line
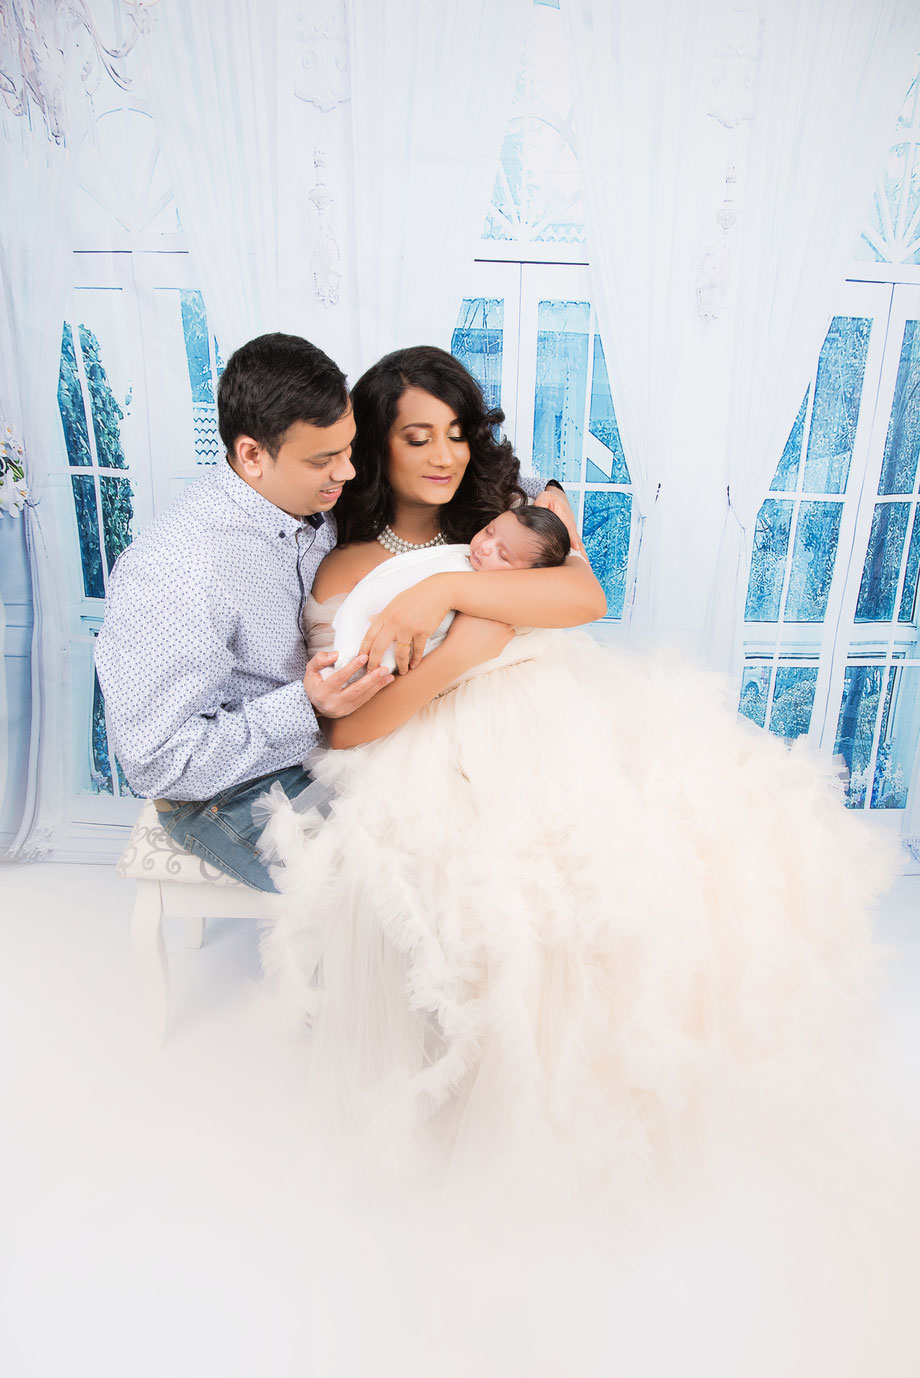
<point>840,628</point>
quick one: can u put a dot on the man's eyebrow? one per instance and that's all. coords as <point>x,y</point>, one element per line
<point>328,454</point>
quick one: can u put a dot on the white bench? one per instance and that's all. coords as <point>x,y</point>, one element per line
<point>173,883</point>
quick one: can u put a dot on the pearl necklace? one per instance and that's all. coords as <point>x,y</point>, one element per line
<point>397,546</point>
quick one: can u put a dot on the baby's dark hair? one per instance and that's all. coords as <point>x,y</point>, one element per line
<point>553,540</point>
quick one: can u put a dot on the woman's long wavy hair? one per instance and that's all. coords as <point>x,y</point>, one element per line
<point>490,483</point>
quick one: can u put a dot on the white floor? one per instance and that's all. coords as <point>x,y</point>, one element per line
<point>152,1204</point>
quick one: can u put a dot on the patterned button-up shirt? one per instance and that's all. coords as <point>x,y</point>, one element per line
<point>201,656</point>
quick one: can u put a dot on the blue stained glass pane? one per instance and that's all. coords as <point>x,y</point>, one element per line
<point>574,497</point>
<point>908,609</point>
<point>838,389</point>
<point>882,566</point>
<point>123,787</point>
<point>787,471</point>
<point>84,499</point>
<point>816,535</point>
<point>117,514</point>
<point>755,690</point>
<point>793,700</point>
<point>101,775</point>
<point>195,329</point>
<point>209,448</point>
<point>605,532</point>
<point>107,414</point>
<point>537,191</point>
<point>562,379</point>
<point>768,565</point>
<point>602,424</point>
<point>902,443</point>
<point>477,343</point>
<point>71,404</point>
<point>862,687</point>
<point>897,739</point>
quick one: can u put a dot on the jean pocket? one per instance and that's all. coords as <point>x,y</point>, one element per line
<point>203,853</point>
<point>178,813</point>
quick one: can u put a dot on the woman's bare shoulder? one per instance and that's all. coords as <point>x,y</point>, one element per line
<point>344,567</point>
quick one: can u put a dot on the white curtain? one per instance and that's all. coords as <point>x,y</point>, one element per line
<point>910,829</point>
<point>833,77</point>
<point>35,254</point>
<point>641,131</point>
<point>431,89</point>
<point>213,82</point>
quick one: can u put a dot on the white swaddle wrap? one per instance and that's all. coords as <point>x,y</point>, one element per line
<point>376,589</point>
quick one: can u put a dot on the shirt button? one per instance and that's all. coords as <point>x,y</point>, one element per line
<point>281,534</point>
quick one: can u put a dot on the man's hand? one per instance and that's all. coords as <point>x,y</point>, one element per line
<point>556,500</point>
<point>406,624</point>
<point>335,697</point>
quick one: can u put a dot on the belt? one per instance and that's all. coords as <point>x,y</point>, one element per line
<point>164,805</point>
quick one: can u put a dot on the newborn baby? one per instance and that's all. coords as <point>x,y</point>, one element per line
<point>521,538</point>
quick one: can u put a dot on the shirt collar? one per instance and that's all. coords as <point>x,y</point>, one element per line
<point>266,515</point>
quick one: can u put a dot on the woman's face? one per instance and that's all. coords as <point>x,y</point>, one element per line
<point>428,451</point>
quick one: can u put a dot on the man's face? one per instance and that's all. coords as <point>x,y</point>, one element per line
<point>309,470</point>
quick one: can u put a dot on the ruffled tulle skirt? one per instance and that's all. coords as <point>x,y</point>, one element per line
<point>585,962</point>
<point>575,910</point>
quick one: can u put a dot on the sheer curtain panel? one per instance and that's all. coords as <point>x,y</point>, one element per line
<point>641,130</point>
<point>832,80</point>
<point>431,89</point>
<point>35,255</point>
<point>213,84</point>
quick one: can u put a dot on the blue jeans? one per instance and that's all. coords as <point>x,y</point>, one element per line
<point>221,830</point>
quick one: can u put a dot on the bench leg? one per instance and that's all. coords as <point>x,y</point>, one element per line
<point>150,946</point>
<point>194,930</point>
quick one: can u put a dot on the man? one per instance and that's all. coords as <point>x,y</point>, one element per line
<point>209,696</point>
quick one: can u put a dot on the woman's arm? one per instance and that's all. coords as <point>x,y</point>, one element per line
<point>563,597</point>
<point>470,641</point>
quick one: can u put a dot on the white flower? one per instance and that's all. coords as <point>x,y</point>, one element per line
<point>14,495</point>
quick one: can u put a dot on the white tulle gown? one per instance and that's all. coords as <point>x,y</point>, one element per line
<point>575,904</point>
<point>576,933</point>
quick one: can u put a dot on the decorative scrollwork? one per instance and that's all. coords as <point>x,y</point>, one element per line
<point>738,54</point>
<point>322,34</point>
<point>38,41</point>
<point>151,854</point>
<point>327,257</point>
<point>715,270</point>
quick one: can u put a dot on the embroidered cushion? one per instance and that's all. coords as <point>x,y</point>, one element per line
<point>151,854</point>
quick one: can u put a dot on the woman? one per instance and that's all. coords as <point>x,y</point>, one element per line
<point>562,909</point>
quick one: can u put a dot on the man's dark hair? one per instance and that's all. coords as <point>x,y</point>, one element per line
<point>552,538</point>
<point>272,382</point>
<point>490,483</point>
